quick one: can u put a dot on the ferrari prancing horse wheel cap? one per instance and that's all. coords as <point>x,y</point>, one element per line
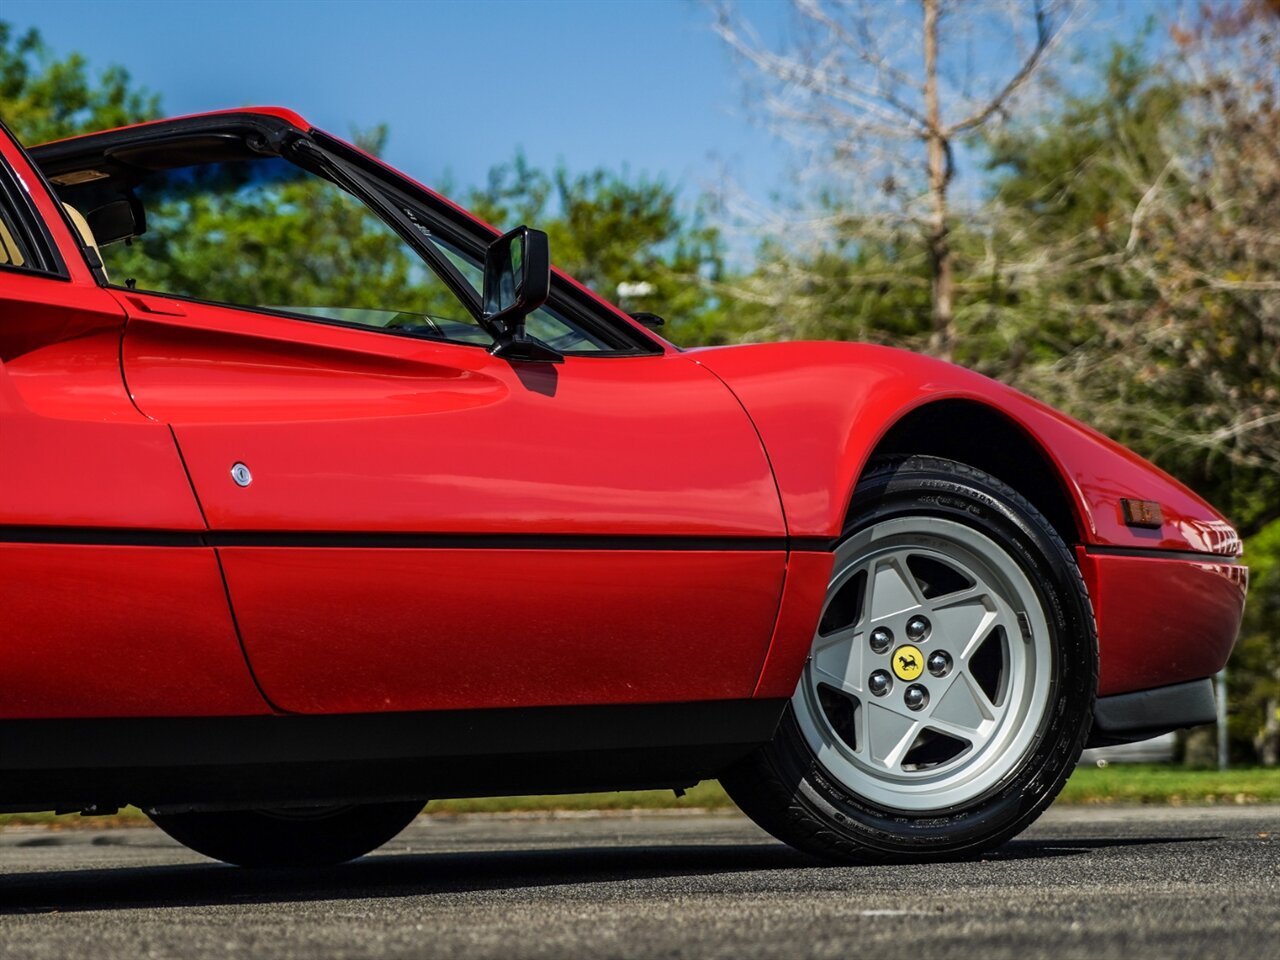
<point>908,662</point>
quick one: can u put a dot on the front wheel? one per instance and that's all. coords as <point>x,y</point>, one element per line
<point>289,837</point>
<point>950,684</point>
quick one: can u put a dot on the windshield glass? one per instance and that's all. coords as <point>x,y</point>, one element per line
<point>264,233</point>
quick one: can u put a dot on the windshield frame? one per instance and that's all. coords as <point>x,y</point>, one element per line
<point>470,236</point>
<point>383,190</point>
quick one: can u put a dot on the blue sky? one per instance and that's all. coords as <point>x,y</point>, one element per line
<point>462,85</point>
<point>640,83</point>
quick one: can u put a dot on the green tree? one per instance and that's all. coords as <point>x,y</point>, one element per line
<point>884,94</point>
<point>605,228</point>
<point>1065,187</point>
<point>1253,676</point>
<point>1138,227</point>
<point>608,229</point>
<point>43,98</point>
<point>265,232</point>
<point>846,287</point>
<point>1124,267</point>
<point>1138,275</point>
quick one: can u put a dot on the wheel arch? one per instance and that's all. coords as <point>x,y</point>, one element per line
<point>978,435</point>
<point>823,410</point>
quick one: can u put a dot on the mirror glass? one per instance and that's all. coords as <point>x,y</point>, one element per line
<point>517,266</point>
<point>510,287</point>
<point>510,292</point>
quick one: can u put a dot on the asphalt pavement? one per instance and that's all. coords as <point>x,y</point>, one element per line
<point>1083,882</point>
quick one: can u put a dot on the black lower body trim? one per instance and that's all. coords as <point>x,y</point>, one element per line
<point>210,763</point>
<point>1130,717</point>
<point>316,540</point>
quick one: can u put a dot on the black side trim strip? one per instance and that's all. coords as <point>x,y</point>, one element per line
<point>1148,553</point>
<point>814,544</point>
<point>99,536</point>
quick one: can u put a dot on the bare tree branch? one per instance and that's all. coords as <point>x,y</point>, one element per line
<point>876,114</point>
<point>1047,36</point>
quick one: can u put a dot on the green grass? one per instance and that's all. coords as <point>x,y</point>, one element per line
<point>128,817</point>
<point>707,794</point>
<point>1116,784</point>
<point>1172,785</point>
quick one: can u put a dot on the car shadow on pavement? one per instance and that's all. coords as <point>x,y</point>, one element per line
<point>1039,849</point>
<point>427,874</point>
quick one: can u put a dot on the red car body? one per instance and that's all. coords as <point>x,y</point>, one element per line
<point>434,536</point>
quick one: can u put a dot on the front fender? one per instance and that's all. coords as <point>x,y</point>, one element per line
<point>821,409</point>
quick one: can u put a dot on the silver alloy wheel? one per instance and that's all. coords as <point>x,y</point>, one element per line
<point>943,730</point>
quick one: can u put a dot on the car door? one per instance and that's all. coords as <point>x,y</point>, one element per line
<point>113,605</point>
<point>424,526</point>
<point>411,523</point>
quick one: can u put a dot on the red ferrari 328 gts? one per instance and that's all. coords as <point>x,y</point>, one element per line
<point>320,500</point>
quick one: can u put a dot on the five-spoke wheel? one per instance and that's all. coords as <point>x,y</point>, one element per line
<point>950,682</point>
<point>930,669</point>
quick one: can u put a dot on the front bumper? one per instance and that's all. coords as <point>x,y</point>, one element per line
<point>1163,618</point>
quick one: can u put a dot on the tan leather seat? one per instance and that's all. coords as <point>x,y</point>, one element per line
<point>82,227</point>
<point>10,252</point>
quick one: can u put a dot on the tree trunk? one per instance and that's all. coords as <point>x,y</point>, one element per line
<point>942,336</point>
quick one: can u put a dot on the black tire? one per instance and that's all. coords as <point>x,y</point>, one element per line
<point>786,790</point>
<point>294,837</point>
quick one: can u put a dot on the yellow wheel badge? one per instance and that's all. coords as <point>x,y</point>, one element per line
<point>908,662</point>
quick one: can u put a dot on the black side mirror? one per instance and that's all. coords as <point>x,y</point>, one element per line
<point>517,281</point>
<point>517,276</point>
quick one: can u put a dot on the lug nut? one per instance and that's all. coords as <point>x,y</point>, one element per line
<point>939,663</point>
<point>881,639</point>
<point>880,683</point>
<point>915,697</point>
<point>917,629</point>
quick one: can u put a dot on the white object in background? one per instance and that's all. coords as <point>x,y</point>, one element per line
<point>640,288</point>
<point>1156,750</point>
